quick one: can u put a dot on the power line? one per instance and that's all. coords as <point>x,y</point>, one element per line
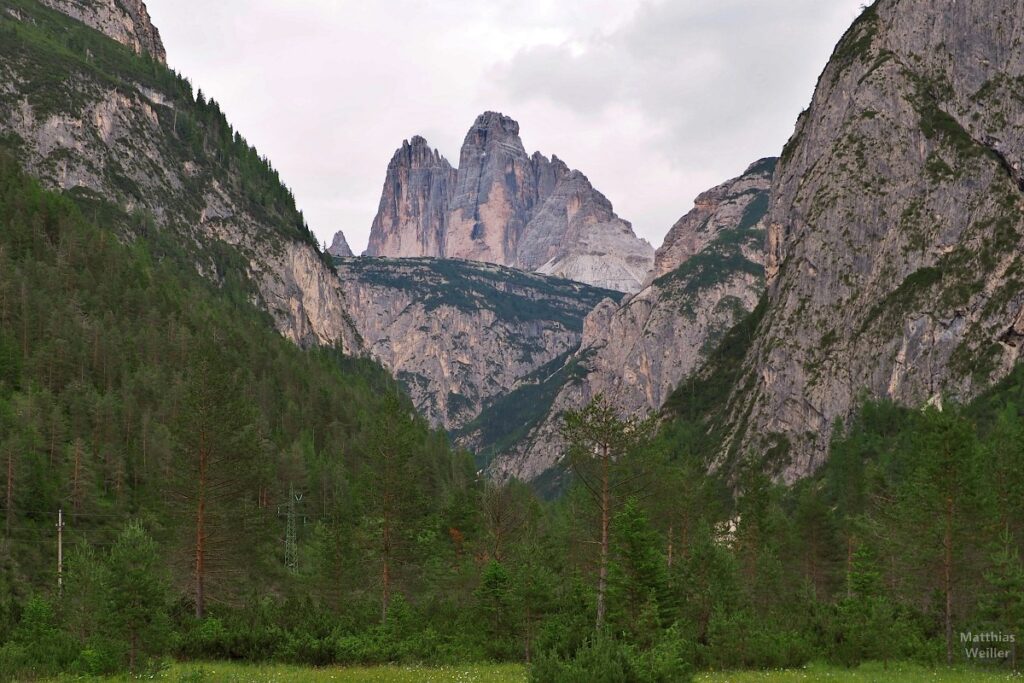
<point>123,515</point>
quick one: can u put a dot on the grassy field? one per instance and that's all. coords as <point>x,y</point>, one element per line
<point>222,672</point>
<point>869,673</point>
<point>241,673</point>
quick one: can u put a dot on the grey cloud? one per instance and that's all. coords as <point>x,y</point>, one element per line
<point>706,70</point>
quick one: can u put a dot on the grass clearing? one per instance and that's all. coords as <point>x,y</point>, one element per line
<point>867,673</point>
<point>227,672</point>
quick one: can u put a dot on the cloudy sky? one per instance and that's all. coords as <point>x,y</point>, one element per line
<point>655,100</point>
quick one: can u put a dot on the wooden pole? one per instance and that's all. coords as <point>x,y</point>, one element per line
<point>60,551</point>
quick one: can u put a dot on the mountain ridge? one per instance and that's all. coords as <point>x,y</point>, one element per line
<point>895,230</point>
<point>635,352</point>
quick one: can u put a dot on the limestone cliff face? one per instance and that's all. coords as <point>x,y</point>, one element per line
<point>339,246</point>
<point>120,143</point>
<point>459,334</point>
<point>636,353</point>
<point>895,229</point>
<point>126,21</point>
<point>575,234</point>
<point>414,204</point>
<point>506,207</point>
<point>722,207</point>
<point>495,193</point>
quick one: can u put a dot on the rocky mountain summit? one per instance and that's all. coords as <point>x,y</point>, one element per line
<point>414,206</point>
<point>126,21</point>
<point>895,254</point>
<point>635,353</point>
<point>339,246</point>
<point>506,207</point>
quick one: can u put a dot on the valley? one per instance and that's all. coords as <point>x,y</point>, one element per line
<point>512,440</point>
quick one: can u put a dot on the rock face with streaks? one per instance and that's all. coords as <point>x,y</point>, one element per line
<point>506,207</point>
<point>414,204</point>
<point>126,21</point>
<point>896,230</point>
<point>460,334</point>
<point>636,352</point>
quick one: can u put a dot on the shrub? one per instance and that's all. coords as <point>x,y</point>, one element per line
<point>603,659</point>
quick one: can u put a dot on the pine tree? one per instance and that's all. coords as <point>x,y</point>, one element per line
<point>600,446</point>
<point>818,541</point>
<point>394,481</point>
<point>936,510</point>
<point>638,579</point>
<point>866,618</point>
<point>495,600</point>
<point>1003,606</point>
<point>217,443</point>
<point>137,597</point>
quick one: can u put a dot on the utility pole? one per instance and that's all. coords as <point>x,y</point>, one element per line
<point>60,550</point>
<point>291,534</point>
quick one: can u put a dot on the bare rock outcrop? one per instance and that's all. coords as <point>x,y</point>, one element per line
<point>459,334</point>
<point>636,353</point>
<point>339,246</point>
<point>413,208</point>
<point>896,229</point>
<point>506,207</point>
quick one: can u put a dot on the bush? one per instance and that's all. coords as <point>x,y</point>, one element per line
<point>603,659</point>
<point>14,660</point>
<point>739,639</point>
<point>205,639</point>
<point>38,648</point>
<point>101,657</point>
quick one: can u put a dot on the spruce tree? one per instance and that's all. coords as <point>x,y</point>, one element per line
<point>600,446</point>
<point>136,609</point>
<point>1003,606</point>
<point>936,510</point>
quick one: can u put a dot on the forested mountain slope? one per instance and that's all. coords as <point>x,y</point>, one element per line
<point>132,388</point>
<point>88,115</point>
<point>634,353</point>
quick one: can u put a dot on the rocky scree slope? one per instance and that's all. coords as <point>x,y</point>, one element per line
<point>460,334</point>
<point>895,230</point>
<point>504,206</point>
<point>711,271</point>
<point>90,116</point>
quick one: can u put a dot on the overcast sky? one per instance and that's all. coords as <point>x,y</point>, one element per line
<point>655,100</point>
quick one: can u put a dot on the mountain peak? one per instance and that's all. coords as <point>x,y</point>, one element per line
<point>507,207</point>
<point>496,121</point>
<point>740,201</point>
<point>339,246</point>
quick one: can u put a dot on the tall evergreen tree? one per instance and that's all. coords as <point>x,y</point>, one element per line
<point>394,481</point>
<point>937,507</point>
<point>600,446</point>
<point>214,430</point>
<point>136,606</point>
